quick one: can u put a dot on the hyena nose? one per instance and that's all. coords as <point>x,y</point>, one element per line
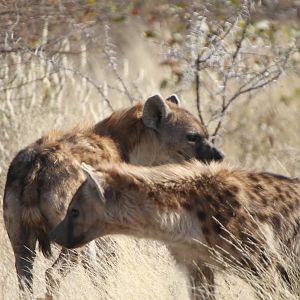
<point>217,154</point>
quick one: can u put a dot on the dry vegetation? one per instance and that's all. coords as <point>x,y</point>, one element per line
<point>103,61</point>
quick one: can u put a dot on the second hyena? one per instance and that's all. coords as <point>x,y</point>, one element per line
<point>44,176</point>
<point>197,210</point>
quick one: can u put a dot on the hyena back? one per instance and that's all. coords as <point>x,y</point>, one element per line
<point>196,210</point>
<point>44,176</point>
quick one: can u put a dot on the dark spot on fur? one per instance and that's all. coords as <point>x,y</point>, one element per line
<point>187,206</point>
<point>201,215</point>
<point>242,220</point>
<point>278,189</point>
<point>231,192</point>
<point>151,194</point>
<point>288,194</point>
<point>205,230</point>
<point>275,219</point>
<point>253,177</point>
<point>281,197</point>
<point>262,217</point>
<point>264,201</point>
<point>284,211</point>
<point>291,206</point>
<point>257,188</point>
<point>209,198</point>
<point>235,203</point>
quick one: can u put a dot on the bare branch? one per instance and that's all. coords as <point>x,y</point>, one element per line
<point>77,73</point>
<point>111,60</point>
<point>258,81</point>
<point>197,81</point>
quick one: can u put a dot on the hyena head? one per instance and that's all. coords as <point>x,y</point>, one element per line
<point>181,135</point>
<point>86,209</point>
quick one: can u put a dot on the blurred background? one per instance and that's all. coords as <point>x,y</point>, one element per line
<point>235,64</point>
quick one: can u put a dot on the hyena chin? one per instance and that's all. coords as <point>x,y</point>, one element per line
<point>198,210</point>
<point>44,176</point>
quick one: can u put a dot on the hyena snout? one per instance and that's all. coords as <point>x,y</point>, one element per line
<point>208,152</point>
<point>60,234</point>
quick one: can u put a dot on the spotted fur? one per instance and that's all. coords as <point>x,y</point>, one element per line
<point>196,209</point>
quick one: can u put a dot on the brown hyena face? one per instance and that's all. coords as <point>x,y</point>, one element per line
<point>181,135</point>
<point>84,220</point>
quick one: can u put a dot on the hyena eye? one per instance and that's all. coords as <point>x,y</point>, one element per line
<point>192,137</point>
<point>74,213</point>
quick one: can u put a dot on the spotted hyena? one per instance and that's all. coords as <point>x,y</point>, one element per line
<point>196,209</point>
<point>44,176</point>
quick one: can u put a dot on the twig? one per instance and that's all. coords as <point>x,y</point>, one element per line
<point>78,73</point>
<point>107,51</point>
<point>242,91</point>
<point>197,80</point>
<point>226,78</point>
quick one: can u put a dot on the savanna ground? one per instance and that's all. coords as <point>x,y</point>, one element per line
<point>64,62</point>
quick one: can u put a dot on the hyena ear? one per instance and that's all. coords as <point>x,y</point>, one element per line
<point>155,109</point>
<point>174,99</point>
<point>94,183</point>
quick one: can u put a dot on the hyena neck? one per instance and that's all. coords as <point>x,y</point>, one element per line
<point>137,143</point>
<point>144,212</point>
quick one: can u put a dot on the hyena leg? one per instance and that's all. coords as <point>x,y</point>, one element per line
<point>24,257</point>
<point>65,262</point>
<point>202,282</point>
<point>23,243</point>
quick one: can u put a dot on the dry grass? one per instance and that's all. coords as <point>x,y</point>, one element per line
<point>263,134</point>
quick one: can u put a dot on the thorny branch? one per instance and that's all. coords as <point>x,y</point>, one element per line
<point>258,81</point>
<point>223,73</point>
<point>216,38</point>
